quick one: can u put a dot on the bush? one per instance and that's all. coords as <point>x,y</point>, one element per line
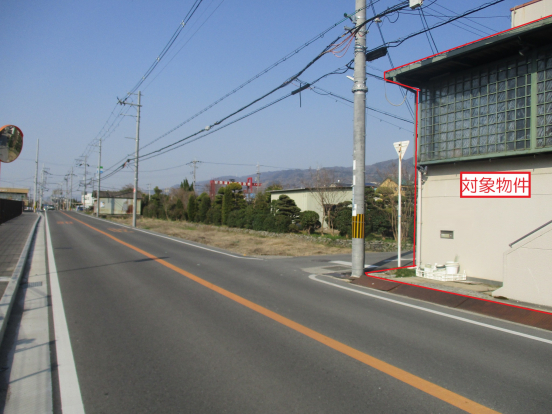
<point>177,210</point>
<point>269,223</point>
<point>282,224</point>
<point>203,208</point>
<point>236,218</point>
<point>343,222</point>
<point>259,220</point>
<point>405,273</point>
<point>309,220</point>
<point>214,215</point>
<point>192,208</point>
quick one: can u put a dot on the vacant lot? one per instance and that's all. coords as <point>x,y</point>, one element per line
<point>248,244</point>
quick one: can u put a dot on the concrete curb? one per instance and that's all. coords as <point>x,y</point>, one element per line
<point>8,299</point>
<point>513,313</point>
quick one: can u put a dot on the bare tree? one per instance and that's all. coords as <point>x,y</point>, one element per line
<point>389,196</point>
<point>183,195</point>
<point>167,200</point>
<point>322,185</point>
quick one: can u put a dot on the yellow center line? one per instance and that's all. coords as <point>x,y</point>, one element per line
<point>428,387</point>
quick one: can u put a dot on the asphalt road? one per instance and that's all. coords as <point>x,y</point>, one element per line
<point>158,326</point>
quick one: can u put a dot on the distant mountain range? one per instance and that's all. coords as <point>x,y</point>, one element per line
<point>299,178</point>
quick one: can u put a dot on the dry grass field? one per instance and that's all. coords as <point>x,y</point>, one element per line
<point>247,244</point>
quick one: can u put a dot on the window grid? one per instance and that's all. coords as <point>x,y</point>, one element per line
<point>482,111</point>
<point>544,99</point>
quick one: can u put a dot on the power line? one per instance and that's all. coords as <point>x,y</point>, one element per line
<point>258,75</point>
<point>327,49</point>
<point>297,50</point>
<point>165,50</point>
<point>467,18</point>
<point>187,41</point>
<point>403,93</point>
<point>185,141</point>
<point>367,107</point>
<point>112,127</point>
<point>461,25</point>
<point>428,33</point>
<point>203,132</point>
<point>373,116</point>
<point>401,40</point>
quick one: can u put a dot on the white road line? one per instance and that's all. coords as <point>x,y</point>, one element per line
<point>459,318</point>
<point>342,262</point>
<point>176,240</point>
<point>349,263</point>
<point>71,399</point>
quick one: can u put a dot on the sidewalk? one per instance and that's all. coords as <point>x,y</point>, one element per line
<point>13,236</point>
<point>27,381</point>
<point>470,296</point>
<point>24,335</point>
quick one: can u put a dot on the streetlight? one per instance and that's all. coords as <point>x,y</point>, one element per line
<point>400,147</point>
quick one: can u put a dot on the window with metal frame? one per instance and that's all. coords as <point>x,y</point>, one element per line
<point>485,111</point>
<point>544,99</point>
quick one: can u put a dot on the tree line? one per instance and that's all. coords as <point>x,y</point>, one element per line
<point>231,207</point>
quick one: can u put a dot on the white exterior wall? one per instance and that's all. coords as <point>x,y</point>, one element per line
<point>87,201</point>
<point>483,227</point>
<point>531,11</point>
<point>305,200</point>
<point>119,206</point>
<point>527,269</point>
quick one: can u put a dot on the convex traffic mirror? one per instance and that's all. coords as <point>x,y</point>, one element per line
<point>11,143</point>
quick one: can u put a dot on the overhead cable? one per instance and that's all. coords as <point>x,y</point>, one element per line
<point>165,49</point>
<point>197,135</point>
<point>403,92</point>
<point>326,92</point>
<point>428,33</point>
<point>401,40</point>
<point>255,77</point>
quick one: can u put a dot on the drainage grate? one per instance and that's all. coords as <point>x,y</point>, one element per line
<point>34,284</point>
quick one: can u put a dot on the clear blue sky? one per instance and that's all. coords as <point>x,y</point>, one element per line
<point>66,62</point>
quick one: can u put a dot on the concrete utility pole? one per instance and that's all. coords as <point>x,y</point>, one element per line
<point>401,149</point>
<point>135,198</point>
<point>359,138</point>
<point>194,163</point>
<point>99,176</point>
<point>41,187</point>
<point>66,192</point>
<point>71,192</point>
<point>84,200</point>
<point>35,198</point>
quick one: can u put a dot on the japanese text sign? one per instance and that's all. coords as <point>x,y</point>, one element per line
<point>495,184</point>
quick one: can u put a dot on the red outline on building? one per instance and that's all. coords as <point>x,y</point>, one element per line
<point>417,90</point>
